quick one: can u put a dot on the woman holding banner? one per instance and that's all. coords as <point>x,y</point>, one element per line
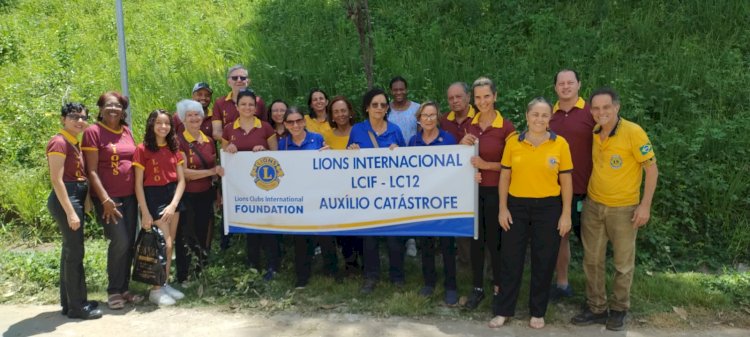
<point>377,132</point>
<point>536,173</point>
<point>489,129</point>
<point>342,118</point>
<point>249,133</point>
<point>428,134</point>
<point>297,138</point>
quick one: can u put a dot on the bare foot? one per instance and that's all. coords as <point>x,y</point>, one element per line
<point>497,322</point>
<point>536,322</point>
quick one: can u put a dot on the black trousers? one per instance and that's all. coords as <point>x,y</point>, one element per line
<point>534,219</point>
<point>396,255</point>
<point>121,237</point>
<point>269,244</point>
<point>73,292</point>
<point>351,250</point>
<point>447,247</point>
<point>304,249</point>
<point>488,238</point>
<point>193,232</point>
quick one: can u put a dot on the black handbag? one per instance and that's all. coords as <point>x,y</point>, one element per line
<point>150,261</point>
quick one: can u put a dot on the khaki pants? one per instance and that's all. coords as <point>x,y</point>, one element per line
<point>600,224</point>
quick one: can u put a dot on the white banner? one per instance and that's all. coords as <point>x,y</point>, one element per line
<point>408,191</point>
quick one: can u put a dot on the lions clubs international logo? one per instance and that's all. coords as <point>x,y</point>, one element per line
<point>266,171</point>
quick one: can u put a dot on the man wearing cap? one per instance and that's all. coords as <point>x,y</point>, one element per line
<point>225,108</point>
<point>456,122</point>
<point>614,209</point>
<point>202,94</point>
<point>572,119</point>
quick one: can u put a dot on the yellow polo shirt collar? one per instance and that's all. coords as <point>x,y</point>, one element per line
<point>581,103</point>
<point>110,129</point>
<point>598,128</point>
<point>236,124</point>
<point>70,138</point>
<point>452,115</point>
<point>496,123</point>
<point>189,138</point>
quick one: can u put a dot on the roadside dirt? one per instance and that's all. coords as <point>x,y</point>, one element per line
<point>46,320</point>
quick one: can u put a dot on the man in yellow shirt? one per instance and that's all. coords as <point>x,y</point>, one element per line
<point>612,210</point>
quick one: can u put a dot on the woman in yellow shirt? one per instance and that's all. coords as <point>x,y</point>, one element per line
<point>317,120</point>
<point>342,119</point>
<point>536,188</point>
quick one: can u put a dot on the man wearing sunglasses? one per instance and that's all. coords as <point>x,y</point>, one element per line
<point>225,110</point>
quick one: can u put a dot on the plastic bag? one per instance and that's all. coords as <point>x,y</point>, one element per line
<point>150,261</point>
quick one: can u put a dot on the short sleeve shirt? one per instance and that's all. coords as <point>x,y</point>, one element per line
<point>362,131</point>
<point>576,126</point>
<point>458,130</point>
<point>533,169</point>
<point>491,144</point>
<point>160,167</point>
<point>618,164</point>
<point>115,150</point>
<point>405,119</point>
<point>66,145</point>
<point>246,140</point>
<point>312,141</point>
<point>207,151</point>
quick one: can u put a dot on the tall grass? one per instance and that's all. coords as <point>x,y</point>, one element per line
<point>681,67</point>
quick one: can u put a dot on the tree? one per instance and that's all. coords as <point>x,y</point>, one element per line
<point>358,11</point>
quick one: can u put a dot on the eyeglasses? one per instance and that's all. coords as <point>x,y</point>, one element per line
<point>238,78</point>
<point>380,105</point>
<point>75,117</point>
<point>295,122</point>
<point>113,105</point>
<point>428,117</point>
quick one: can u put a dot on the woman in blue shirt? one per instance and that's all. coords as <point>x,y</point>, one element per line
<point>428,134</point>
<point>377,132</point>
<point>297,138</point>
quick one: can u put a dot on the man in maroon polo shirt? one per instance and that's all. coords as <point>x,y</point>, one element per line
<point>572,119</point>
<point>225,109</point>
<point>202,94</point>
<point>455,122</point>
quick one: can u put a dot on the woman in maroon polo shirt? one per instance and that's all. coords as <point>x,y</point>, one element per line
<point>199,153</point>
<point>489,129</point>
<point>249,133</point>
<point>65,203</point>
<point>108,147</point>
<point>159,185</point>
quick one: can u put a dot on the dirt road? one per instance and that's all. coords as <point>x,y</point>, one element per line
<point>45,320</point>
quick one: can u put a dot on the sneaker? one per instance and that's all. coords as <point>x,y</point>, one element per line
<point>426,291</point>
<point>368,287</point>
<point>587,317</point>
<point>411,247</point>
<point>556,292</point>
<point>160,297</point>
<point>172,292</point>
<point>451,297</point>
<point>476,297</point>
<point>616,320</point>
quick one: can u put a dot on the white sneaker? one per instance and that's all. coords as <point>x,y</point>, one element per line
<point>411,248</point>
<point>160,297</point>
<point>172,292</point>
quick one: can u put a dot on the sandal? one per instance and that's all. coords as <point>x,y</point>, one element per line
<point>536,322</point>
<point>115,302</point>
<point>497,321</point>
<point>132,298</point>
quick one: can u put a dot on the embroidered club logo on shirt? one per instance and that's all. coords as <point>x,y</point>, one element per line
<point>615,161</point>
<point>646,148</point>
<point>552,161</point>
<point>266,173</point>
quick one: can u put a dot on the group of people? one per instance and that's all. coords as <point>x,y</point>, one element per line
<point>575,165</point>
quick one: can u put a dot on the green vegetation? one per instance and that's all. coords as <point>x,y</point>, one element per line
<point>681,67</point>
